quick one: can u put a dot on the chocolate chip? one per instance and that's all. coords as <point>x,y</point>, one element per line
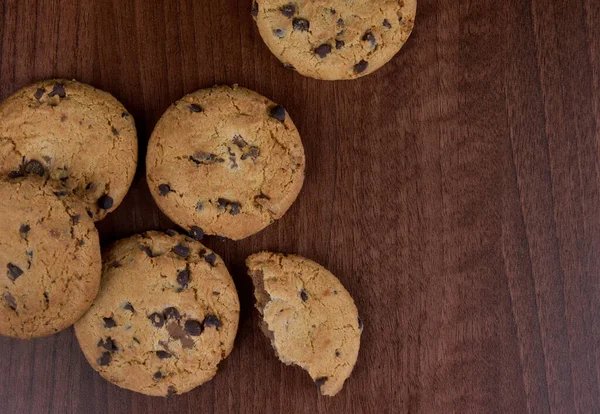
<point>24,229</point>
<point>234,208</point>
<point>61,193</point>
<point>59,89</point>
<point>212,320</point>
<point>211,259</point>
<point>252,153</point>
<point>193,327</point>
<point>196,232</point>
<point>108,344</point>
<point>163,354</point>
<point>320,381</point>
<point>278,112</point>
<point>338,353</point>
<point>80,242</point>
<point>15,174</point>
<point>181,250</point>
<point>183,278</point>
<point>360,324</point>
<point>171,313</point>
<point>157,376</point>
<point>171,391</point>
<point>301,25</point>
<point>136,340</point>
<point>361,66</point>
<point>157,320</point>
<point>369,37</point>
<point>195,108</point>
<point>115,132</point>
<point>289,67</point>
<point>14,272</point>
<point>125,115</point>
<point>109,323</point>
<point>104,359</point>
<point>288,10</point>
<point>164,189</point>
<point>332,11</point>
<point>204,158</point>
<point>339,44</point>
<point>39,93</point>
<point>323,50</point>
<point>387,24</point>
<point>89,213</point>
<point>34,167</point>
<point>262,196</point>
<point>279,33</point>
<point>303,295</point>
<point>10,300</point>
<point>128,306</point>
<point>147,250</point>
<point>254,9</point>
<point>76,219</point>
<point>239,141</point>
<point>340,22</point>
<point>105,202</point>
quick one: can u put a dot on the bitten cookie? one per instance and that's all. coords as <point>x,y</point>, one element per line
<point>49,256</point>
<point>73,133</point>
<point>166,315</point>
<point>225,161</point>
<point>308,315</point>
<point>336,39</point>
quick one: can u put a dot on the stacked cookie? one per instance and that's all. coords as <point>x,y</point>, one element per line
<point>157,312</point>
<point>68,154</point>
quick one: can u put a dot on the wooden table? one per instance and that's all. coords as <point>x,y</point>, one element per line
<point>454,193</point>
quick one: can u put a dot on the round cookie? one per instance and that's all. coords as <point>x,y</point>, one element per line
<point>336,39</point>
<point>225,161</point>
<point>73,133</point>
<point>166,315</point>
<point>49,256</point>
<point>308,315</point>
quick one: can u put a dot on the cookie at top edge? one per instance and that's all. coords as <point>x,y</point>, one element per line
<point>166,315</point>
<point>309,316</point>
<point>73,133</point>
<point>49,259</point>
<point>334,40</point>
<point>225,161</point>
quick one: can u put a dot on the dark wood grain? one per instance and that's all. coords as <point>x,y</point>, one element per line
<point>455,193</point>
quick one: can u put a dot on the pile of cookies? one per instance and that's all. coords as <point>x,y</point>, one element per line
<point>157,312</point>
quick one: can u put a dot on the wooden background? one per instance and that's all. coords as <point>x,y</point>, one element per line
<point>454,193</point>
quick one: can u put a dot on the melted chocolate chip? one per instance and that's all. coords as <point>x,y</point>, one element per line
<point>320,381</point>
<point>339,44</point>
<point>125,115</point>
<point>234,208</point>
<point>157,320</point>
<point>278,112</point>
<point>24,229</point>
<point>303,295</point>
<point>323,50</point>
<point>239,141</point>
<point>147,250</point>
<point>39,93</point>
<point>288,10</point>
<point>181,250</point>
<point>104,359</point>
<point>76,219</point>
<point>164,189</point>
<point>61,193</point>
<point>108,344</point>
<point>361,66</point>
<point>14,272</point>
<point>195,108</point>
<point>128,306</point>
<point>252,153</point>
<point>338,354</point>
<point>34,167</point>
<point>204,158</point>
<point>157,376</point>
<point>109,323</point>
<point>211,259</point>
<point>369,37</point>
<point>193,327</point>
<point>105,202</point>
<point>10,300</point>
<point>15,174</point>
<point>171,391</point>
<point>340,22</point>
<point>212,320</point>
<point>332,11</point>
<point>302,25</point>
<point>254,9</point>
<point>115,132</point>
<point>279,33</point>
<point>196,232</point>
<point>163,354</point>
<point>59,89</point>
<point>171,313</point>
<point>387,24</point>
<point>183,278</point>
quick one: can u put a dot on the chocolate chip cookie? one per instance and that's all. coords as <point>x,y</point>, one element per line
<point>335,39</point>
<point>166,315</point>
<point>72,133</point>
<point>49,256</point>
<point>308,315</point>
<point>225,161</point>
